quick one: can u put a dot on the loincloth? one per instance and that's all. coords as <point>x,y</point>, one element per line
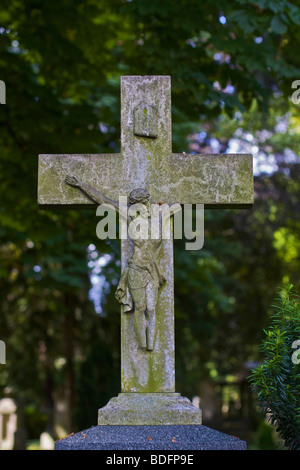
<point>137,277</point>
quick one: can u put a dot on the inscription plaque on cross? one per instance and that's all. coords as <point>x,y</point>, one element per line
<point>146,161</point>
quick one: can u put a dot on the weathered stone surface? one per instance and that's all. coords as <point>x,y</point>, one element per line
<point>214,180</point>
<point>101,171</point>
<point>144,371</point>
<point>149,409</point>
<point>146,161</point>
<point>145,121</point>
<point>150,438</point>
<point>224,180</point>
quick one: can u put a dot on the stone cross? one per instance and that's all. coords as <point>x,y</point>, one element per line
<point>146,161</point>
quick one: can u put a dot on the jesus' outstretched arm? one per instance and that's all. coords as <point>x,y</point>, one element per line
<point>92,193</point>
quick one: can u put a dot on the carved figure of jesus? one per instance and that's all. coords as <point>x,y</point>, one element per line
<point>141,280</point>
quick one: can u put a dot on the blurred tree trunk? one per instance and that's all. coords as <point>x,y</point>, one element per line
<point>69,355</point>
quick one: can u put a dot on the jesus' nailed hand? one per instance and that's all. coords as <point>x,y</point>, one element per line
<point>141,280</point>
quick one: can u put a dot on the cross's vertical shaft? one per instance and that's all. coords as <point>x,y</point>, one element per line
<point>146,128</point>
<point>146,145</point>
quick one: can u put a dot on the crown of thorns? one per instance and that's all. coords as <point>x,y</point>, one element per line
<point>139,195</point>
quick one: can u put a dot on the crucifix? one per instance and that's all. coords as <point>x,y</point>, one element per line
<point>146,163</point>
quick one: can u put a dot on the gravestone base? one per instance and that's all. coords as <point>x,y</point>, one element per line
<point>149,409</point>
<point>151,438</point>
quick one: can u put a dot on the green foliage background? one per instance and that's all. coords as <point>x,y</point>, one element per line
<point>61,62</point>
<point>277,381</point>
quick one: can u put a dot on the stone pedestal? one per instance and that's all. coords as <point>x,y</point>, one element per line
<point>150,421</point>
<point>151,438</point>
<point>149,409</point>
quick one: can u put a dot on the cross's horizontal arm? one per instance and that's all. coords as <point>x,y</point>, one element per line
<point>103,172</point>
<point>213,180</point>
